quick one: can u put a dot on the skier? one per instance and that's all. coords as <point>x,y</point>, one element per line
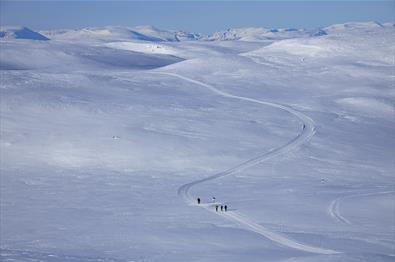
<point>198,200</point>
<point>222,208</point>
<point>216,208</point>
<point>226,208</point>
<point>213,199</point>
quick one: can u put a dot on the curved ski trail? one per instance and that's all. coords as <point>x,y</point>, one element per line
<point>308,130</point>
<point>334,206</point>
<point>334,211</point>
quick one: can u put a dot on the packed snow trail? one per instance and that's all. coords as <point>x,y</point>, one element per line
<point>308,130</point>
<point>334,207</point>
<point>334,212</point>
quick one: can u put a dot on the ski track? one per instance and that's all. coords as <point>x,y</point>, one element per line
<point>308,130</point>
<point>334,206</point>
<point>334,212</point>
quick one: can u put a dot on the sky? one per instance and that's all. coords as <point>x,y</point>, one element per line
<point>193,16</point>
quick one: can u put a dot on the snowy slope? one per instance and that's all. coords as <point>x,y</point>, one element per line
<point>107,141</point>
<point>74,57</point>
<point>17,32</point>
<point>341,41</point>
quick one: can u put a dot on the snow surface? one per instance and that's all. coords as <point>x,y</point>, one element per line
<point>108,135</point>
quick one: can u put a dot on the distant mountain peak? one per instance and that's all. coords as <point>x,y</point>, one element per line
<point>20,32</point>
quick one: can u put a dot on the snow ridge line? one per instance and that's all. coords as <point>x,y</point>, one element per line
<point>308,130</point>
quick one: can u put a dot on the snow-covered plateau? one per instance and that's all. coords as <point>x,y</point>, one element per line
<point>109,135</point>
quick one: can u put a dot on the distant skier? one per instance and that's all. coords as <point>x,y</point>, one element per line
<point>216,208</point>
<point>198,200</point>
<point>213,199</point>
<point>226,208</point>
<point>222,208</point>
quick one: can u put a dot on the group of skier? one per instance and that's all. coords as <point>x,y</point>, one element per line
<point>217,206</point>
<point>223,208</point>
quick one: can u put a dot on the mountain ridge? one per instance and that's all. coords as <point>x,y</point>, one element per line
<point>150,33</point>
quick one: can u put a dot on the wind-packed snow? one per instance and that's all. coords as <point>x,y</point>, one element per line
<point>108,136</point>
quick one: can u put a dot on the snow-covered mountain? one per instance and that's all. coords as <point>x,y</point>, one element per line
<point>18,32</point>
<point>153,34</point>
<point>166,35</point>
<point>353,26</point>
<point>258,33</point>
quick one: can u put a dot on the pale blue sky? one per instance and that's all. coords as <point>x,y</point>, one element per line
<point>195,16</point>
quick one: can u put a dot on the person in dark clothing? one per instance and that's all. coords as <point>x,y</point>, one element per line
<point>222,208</point>
<point>198,200</point>
<point>216,208</point>
<point>226,208</point>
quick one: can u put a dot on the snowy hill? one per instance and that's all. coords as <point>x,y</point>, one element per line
<point>353,26</point>
<point>105,33</point>
<point>15,32</point>
<point>339,41</point>
<point>115,33</point>
<point>258,34</point>
<point>166,35</point>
